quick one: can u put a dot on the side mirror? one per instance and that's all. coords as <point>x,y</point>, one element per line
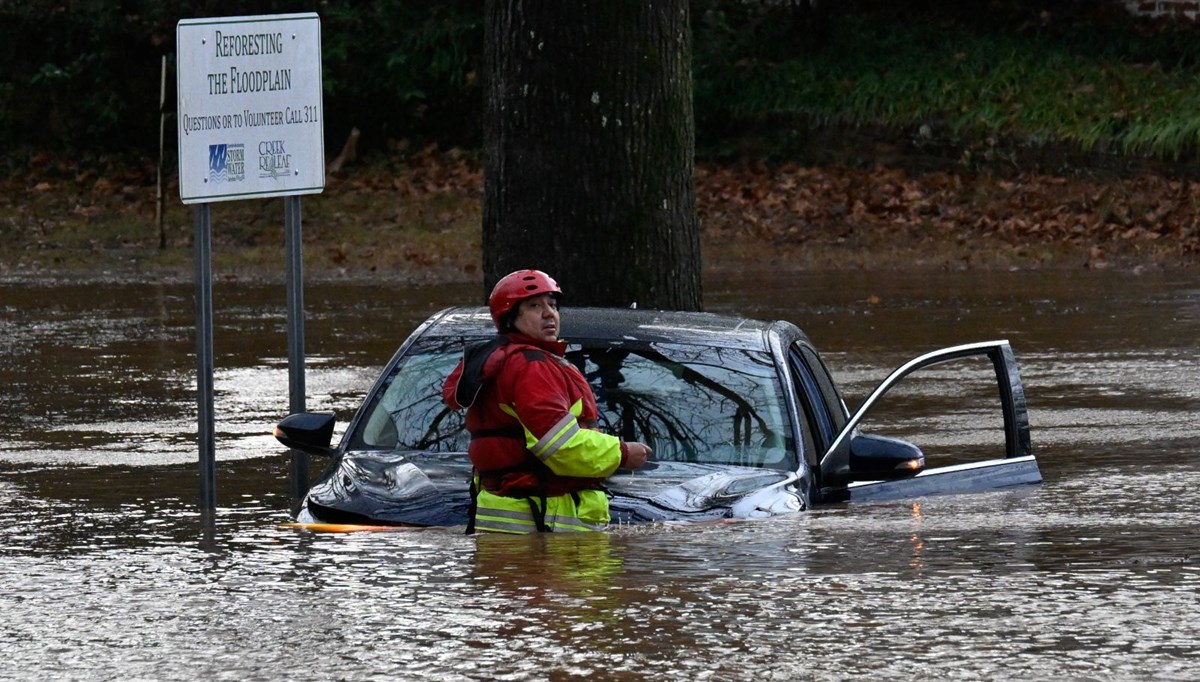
<point>307,431</point>
<point>880,458</point>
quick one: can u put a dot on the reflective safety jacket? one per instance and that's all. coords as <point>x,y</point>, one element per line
<point>539,464</point>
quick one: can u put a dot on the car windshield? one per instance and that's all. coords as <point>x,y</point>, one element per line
<point>690,403</point>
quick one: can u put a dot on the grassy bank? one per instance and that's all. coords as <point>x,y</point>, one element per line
<point>976,85</point>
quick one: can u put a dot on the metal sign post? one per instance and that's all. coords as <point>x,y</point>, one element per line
<point>250,123</point>
<point>295,322</point>
<point>206,420</point>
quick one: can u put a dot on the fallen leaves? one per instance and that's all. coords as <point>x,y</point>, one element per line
<point>761,202</point>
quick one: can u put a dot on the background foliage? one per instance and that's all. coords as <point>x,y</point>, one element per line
<point>393,68</point>
<point>781,78</point>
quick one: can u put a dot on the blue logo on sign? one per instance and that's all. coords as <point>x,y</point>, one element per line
<point>226,162</point>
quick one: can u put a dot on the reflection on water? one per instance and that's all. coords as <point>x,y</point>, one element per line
<point>110,574</point>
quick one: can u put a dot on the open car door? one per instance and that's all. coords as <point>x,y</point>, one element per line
<point>863,467</point>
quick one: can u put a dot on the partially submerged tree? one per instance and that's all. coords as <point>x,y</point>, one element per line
<point>588,143</point>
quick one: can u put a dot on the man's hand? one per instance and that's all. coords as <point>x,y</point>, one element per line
<point>634,455</point>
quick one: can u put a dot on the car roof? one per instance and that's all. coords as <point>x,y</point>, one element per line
<point>627,324</point>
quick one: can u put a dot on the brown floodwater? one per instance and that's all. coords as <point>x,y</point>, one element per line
<point>111,574</point>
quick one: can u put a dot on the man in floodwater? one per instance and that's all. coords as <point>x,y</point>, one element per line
<point>539,464</point>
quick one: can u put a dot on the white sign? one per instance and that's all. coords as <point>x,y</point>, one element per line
<point>250,115</point>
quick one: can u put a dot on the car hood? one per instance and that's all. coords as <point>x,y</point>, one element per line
<point>424,489</point>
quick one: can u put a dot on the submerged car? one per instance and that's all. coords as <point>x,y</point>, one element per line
<point>744,418</point>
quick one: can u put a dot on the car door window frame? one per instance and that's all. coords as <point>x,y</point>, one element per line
<point>821,404</point>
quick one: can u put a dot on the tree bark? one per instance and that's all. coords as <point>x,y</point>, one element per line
<point>589,144</point>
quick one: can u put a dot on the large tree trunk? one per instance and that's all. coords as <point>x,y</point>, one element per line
<point>589,141</point>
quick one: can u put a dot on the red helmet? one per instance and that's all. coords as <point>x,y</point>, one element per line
<point>516,287</point>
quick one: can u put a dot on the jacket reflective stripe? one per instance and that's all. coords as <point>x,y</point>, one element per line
<point>559,434</point>
<point>492,520</point>
<point>498,514</point>
<point>505,521</point>
<point>568,435</point>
